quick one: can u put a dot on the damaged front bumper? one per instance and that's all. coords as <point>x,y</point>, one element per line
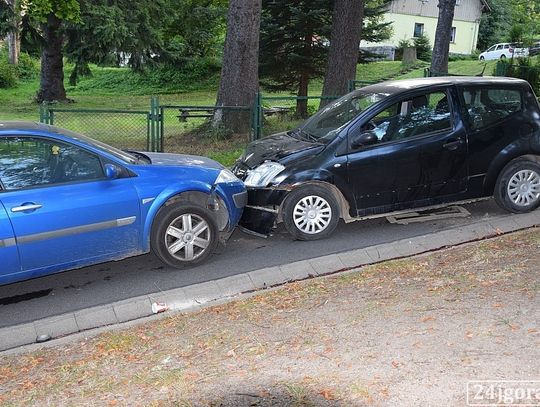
<point>262,211</point>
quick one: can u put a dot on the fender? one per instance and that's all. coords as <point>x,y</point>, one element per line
<point>518,148</point>
<point>339,185</point>
<point>168,193</point>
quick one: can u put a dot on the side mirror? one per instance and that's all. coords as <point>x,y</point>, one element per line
<point>366,138</point>
<point>112,171</point>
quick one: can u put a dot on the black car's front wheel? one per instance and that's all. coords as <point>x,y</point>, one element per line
<point>310,213</point>
<point>184,234</point>
<point>518,186</point>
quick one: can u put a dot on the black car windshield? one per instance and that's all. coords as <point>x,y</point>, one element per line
<point>326,123</point>
<point>120,154</point>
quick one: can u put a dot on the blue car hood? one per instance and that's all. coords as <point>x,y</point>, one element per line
<point>184,160</point>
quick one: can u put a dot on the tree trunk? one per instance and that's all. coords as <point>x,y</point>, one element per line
<point>303,83</point>
<point>301,104</point>
<point>239,73</point>
<point>344,47</point>
<point>13,42</point>
<point>441,48</point>
<point>51,87</point>
<point>14,38</point>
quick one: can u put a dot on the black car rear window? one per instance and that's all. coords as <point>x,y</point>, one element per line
<point>486,106</point>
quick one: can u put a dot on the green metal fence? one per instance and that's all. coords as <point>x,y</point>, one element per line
<point>269,116</point>
<point>182,126</point>
<point>127,129</point>
<point>353,85</point>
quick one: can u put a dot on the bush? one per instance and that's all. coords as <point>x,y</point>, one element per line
<point>188,75</point>
<point>28,67</point>
<point>522,68</point>
<point>8,74</point>
<point>459,57</point>
<point>423,48</point>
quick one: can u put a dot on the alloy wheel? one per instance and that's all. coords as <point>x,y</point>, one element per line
<point>187,237</point>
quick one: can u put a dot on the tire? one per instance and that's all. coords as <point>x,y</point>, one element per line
<point>183,234</point>
<point>482,58</point>
<point>518,187</point>
<point>503,57</point>
<point>310,213</point>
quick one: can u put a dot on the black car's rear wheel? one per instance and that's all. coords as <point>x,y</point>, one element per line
<point>184,234</point>
<point>310,213</point>
<point>518,186</point>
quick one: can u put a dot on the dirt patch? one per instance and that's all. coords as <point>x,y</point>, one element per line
<point>409,333</point>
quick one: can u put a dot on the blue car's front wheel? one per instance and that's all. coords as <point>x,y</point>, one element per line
<point>184,234</point>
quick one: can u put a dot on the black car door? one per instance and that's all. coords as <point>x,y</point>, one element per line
<point>419,157</point>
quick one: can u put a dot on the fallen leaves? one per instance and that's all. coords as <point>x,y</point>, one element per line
<point>328,394</point>
<point>278,336</point>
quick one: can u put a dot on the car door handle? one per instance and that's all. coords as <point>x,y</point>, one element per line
<point>452,145</point>
<point>24,208</point>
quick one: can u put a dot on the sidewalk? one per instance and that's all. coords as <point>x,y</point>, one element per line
<point>195,296</point>
<point>454,327</point>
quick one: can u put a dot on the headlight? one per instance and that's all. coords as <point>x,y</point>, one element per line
<point>225,176</point>
<point>263,174</point>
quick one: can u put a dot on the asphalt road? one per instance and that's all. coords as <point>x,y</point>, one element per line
<point>105,283</point>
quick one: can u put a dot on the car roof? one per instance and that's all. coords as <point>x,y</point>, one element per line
<point>27,125</point>
<point>400,85</point>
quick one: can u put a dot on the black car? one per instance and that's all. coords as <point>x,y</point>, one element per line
<point>394,146</point>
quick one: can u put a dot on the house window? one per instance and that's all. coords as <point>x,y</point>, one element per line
<point>453,35</point>
<point>458,2</point>
<point>418,29</point>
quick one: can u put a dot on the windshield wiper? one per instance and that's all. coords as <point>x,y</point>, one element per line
<point>308,136</point>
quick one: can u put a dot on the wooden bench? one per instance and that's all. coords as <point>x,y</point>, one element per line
<point>194,112</point>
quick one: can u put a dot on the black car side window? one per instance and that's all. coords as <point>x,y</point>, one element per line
<point>30,161</point>
<point>422,114</point>
<point>487,106</point>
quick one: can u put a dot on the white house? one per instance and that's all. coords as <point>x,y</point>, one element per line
<point>411,18</point>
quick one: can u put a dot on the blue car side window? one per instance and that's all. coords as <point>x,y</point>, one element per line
<point>31,161</point>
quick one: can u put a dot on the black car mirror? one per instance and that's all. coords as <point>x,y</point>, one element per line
<point>366,138</point>
<point>112,171</point>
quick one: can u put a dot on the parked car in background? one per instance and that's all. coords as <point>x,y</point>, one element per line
<point>68,201</point>
<point>397,145</point>
<point>534,49</point>
<point>500,51</point>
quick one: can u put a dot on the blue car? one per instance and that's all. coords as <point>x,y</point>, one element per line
<point>67,201</point>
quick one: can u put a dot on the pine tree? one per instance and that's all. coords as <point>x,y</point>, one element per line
<point>293,45</point>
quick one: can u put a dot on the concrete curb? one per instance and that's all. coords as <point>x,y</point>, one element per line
<point>194,296</point>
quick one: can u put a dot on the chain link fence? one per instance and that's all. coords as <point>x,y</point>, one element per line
<point>273,114</point>
<point>120,128</point>
<point>191,129</point>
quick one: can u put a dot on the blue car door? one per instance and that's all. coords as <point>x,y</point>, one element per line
<point>64,211</point>
<point>8,248</point>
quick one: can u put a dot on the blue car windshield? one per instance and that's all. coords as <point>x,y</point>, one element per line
<point>120,154</point>
<point>326,123</point>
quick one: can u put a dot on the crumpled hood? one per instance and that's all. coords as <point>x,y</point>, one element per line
<point>183,160</point>
<point>278,147</point>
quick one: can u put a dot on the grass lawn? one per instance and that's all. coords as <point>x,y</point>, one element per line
<point>118,88</point>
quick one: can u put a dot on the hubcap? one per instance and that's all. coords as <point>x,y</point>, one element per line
<point>312,214</point>
<point>524,187</point>
<point>187,237</point>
